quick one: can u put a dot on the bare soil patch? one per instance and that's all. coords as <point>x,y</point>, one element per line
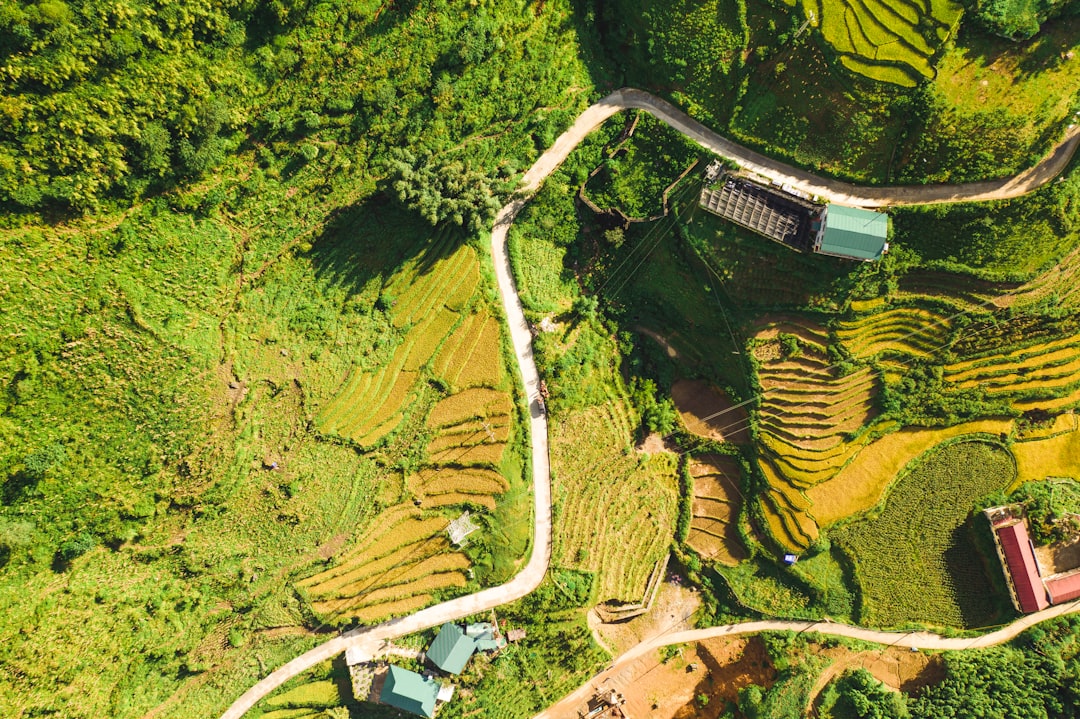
<point>1058,557</point>
<point>674,604</point>
<point>898,669</point>
<point>714,530</point>
<point>653,444</point>
<point>708,412</point>
<point>717,668</point>
<point>660,340</point>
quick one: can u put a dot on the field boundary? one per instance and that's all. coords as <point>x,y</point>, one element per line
<point>368,640</point>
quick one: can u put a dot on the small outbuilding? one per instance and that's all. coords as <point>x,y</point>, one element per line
<point>451,649</point>
<point>410,692</point>
<point>853,233</point>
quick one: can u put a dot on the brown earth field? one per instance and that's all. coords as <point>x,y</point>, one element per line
<point>717,668</point>
<point>714,532</point>
<point>898,669</point>
<point>708,412</point>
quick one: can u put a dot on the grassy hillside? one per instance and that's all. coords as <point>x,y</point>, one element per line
<point>178,439</point>
<point>906,91</point>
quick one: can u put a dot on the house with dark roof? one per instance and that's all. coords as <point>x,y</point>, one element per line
<point>785,215</point>
<point>409,692</point>
<point>451,649</point>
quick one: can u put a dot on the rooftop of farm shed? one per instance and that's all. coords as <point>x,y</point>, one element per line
<point>854,233</point>
<point>410,691</point>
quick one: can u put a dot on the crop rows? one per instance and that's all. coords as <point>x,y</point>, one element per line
<point>714,532</point>
<point>918,540</point>
<point>890,41</point>
<point>615,509</point>
<point>905,330</point>
<point>400,565</point>
<point>1045,376</point>
<point>805,418</point>
<point>471,357</point>
<point>395,567</point>
<point>431,291</point>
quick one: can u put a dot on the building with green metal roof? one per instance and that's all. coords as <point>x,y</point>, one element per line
<point>451,649</point>
<point>853,233</point>
<point>409,691</point>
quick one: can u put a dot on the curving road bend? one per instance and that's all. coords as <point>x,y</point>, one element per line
<point>369,640</point>
<point>567,706</point>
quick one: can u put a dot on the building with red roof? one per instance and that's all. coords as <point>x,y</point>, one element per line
<point>1063,587</point>
<point>1021,568</point>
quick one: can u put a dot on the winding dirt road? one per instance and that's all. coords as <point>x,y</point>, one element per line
<point>369,640</point>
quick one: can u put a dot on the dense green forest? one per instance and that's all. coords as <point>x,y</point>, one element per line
<point>216,196</point>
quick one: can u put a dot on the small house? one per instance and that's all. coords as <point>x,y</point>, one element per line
<point>410,692</point>
<point>451,649</point>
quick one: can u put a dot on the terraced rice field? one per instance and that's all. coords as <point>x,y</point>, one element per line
<point>394,569</point>
<point>614,509</point>
<point>1041,376</point>
<point>470,357</point>
<point>862,484</point>
<point>1057,455</point>
<point>901,331</point>
<point>403,563</point>
<point>431,292</point>
<point>1044,376</point>
<point>889,41</point>
<point>806,413</point>
<point>960,291</point>
<point>714,532</point>
<point>1061,284</point>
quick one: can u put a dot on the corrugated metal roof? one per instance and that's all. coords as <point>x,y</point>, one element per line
<point>1064,588</point>
<point>855,233</point>
<point>409,691</point>
<point>451,649</point>
<point>1023,569</point>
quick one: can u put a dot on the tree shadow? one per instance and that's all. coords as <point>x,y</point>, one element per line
<point>373,238</point>
<point>972,587</point>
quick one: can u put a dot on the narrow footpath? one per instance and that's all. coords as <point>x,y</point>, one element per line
<point>368,640</point>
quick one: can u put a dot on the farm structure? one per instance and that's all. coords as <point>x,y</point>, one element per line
<point>1029,588</point>
<point>454,646</point>
<point>408,691</point>
<point>847,232</point>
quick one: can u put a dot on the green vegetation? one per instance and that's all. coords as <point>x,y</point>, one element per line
<point>922,538</point>
<point>1051,508</point>
<point>1005,240</point>
<point>633,176</point>
<point>871,91</point>
<point>1021,18</point>
<point>254,361</point>
<point>165,478</point>
<point>890,42</point>
<point>1034,676</point>
<point>858,695</point>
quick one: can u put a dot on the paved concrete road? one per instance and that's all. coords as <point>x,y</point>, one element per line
<point>567,707</point>
<point>369,639</point>
<point>843,193</point>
